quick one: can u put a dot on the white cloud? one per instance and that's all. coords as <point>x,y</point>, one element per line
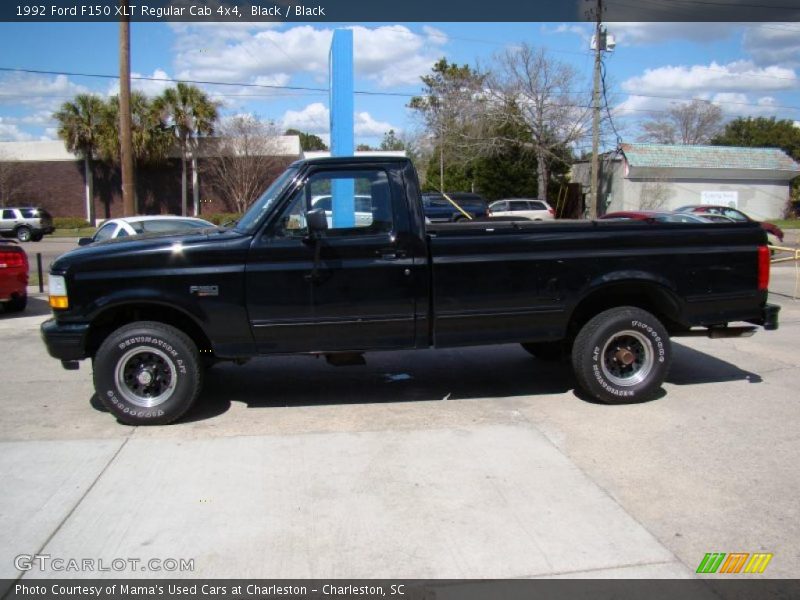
<point>152,85</point>
<point>773,43</point>
<point>50,133</point>
<point>42,117</point>
<point>366,126</point>
<point>732,104</point>
<point>737,76</point>
<point>9,132</point>
<point>42,92</point>
<point>388,55</point>
<point>315,118</point>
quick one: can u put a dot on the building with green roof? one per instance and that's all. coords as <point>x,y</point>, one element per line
<point>665,177</point>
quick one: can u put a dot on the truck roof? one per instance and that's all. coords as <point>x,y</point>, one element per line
<point>349,160</point>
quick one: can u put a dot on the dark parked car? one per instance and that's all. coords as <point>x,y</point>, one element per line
<point>153,312</point>
<point>732,213</point>
<point>26,223</point>
<point>13,276</point>
<point>439,209</point>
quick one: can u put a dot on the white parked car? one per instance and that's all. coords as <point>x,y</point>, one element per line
<point>130,226</point>
<point>363,206</point>
<point>523,208</point>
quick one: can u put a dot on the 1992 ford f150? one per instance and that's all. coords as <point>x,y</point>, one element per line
<point>153,312</point>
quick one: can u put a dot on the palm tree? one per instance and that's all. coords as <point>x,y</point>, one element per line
<point>79,125</point>
<point>150,137</point>
<point>190,113</point>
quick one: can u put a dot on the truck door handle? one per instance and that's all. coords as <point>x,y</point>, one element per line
<point>391,254</point>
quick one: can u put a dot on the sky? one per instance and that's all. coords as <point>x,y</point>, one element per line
<point>747,69</point>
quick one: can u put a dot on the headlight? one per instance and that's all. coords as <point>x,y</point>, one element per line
<point>57,287</point>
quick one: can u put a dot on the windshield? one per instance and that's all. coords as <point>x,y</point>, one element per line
<point>259,208</point>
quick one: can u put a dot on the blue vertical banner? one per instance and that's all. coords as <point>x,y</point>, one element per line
<point>342,135</point>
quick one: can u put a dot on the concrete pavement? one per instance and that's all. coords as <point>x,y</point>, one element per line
<point>476,462</point>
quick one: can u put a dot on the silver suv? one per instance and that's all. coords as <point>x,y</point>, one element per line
<point>26,223</point>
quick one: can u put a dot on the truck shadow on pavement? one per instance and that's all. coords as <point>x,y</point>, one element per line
<point>459,374</point>
<point>690,366</point>
<point>36,307</point>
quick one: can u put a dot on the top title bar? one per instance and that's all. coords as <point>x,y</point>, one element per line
<point>406,11</point>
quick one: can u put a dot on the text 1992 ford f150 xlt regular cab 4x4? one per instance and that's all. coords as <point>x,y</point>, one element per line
<point>151,312</point>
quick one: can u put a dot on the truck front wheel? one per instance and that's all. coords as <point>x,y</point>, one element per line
<point>622,355</point>
<point>147,373</point>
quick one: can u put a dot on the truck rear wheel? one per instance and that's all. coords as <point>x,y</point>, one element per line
<point>622,355</point>
<point>147,373</point>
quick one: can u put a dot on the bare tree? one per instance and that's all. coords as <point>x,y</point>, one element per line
<point>13,182</point>
<point>242,159</point>
<point>689,123</point>
<point>655,191</point>
<point>533,96</point>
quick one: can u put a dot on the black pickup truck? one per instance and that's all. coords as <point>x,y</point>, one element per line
<point>153,312</point>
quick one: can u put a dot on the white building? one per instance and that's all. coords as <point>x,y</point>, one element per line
<point>665,177</point>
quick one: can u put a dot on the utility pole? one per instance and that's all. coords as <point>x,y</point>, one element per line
<point>126,149</point>
<point>599,43</point>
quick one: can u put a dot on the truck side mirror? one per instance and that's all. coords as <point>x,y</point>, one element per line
<point>317,221</point>
<point>85,241</point>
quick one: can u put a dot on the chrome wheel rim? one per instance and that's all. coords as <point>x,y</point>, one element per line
<point>627,358</point>
<point>146,377</point>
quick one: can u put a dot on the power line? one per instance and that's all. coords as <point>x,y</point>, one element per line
<point>605,101</point>
<point>199,82</point>
<point>308,91</point>
<point>320,91</point>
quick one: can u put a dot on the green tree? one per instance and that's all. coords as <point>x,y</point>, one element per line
<point>451,108</point>
<point>80,124</point>
<point>190,114</point>
<point>308,141</point>
<point>763,132</point>
<point>392,142</point>
<point>150,137</point>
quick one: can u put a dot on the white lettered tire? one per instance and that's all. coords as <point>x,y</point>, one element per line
<point>147,373</point>
<point>622,355</point>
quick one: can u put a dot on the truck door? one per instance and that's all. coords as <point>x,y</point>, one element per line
<point>359,294</point>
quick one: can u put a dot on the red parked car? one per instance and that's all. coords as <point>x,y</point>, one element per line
<point>13,276</point>
<point>659,216</point>
<point>733,214</point>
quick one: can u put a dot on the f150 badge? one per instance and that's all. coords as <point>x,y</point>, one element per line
<point>204,290</point>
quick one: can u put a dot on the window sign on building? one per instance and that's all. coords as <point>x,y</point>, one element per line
<point>720,198</point>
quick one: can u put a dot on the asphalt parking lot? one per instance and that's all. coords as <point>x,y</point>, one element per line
<point>468,463</point>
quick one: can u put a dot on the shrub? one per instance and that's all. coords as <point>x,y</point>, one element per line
<point>220,218</point>
<point>70,223</point>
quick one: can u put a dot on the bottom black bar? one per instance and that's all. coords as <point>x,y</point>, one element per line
<point>403,589</point>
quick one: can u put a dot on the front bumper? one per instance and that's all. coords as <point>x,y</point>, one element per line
<point>65,341</point>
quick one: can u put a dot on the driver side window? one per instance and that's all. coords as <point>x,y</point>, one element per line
<point>356,202</point>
